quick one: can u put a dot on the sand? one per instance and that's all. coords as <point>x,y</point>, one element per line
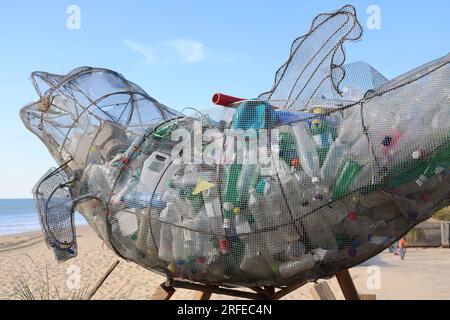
<point>424,274</point>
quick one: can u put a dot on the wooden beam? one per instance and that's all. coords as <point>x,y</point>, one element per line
<point>163,292</point>
<point>322,291</point>
<point>216,289</point>
<point>347,286</point>
<point>103,279</point>
<point>202,295</point>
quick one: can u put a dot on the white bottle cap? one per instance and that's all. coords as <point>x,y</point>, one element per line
<point>417,154</point>
<point>228,206</point>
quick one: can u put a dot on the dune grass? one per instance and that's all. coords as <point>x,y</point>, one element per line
<point>36,284</point>
<point>442,215</point>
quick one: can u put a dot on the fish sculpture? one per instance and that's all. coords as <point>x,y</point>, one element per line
<point>320,173</point>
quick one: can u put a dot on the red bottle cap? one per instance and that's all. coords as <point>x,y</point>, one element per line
<point>352,215</point>
<point>224,246</point>
<point>425,197</point>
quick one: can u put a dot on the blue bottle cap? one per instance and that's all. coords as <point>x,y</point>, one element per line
<point>356,243</point>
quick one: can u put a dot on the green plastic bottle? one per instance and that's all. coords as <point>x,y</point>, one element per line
<point>412,170</point>
<point>321,133</point>
<point>358,158</point>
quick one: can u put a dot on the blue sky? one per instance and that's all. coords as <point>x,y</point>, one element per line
<point>181,52</point>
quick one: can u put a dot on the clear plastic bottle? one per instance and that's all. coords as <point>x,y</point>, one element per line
<point>295,250</point>
<point>264,220</point>
<point>333,163</point>
<point>254,264</point>
<point>148,231</point>
<point>308,157</point>
<point>191,179</point>
<point>319,231</point>
<point>291,191</point>
<point>359,156</point>
<point>351,128</point>
<point>276,204</point>
<point>321,133</point>
<point>291,268</point>
<point>140,200</point>
<point>165,240</point>
<point>203,239</point>
<point>213,209</point>
<point>247,180</point>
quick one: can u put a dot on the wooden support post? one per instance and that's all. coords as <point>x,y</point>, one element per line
<point>163,292</point>
<point>269,292</point>
<point>322,291</point>
<point>347,286</point>
<point>202,295</point>
<point>103,279</point>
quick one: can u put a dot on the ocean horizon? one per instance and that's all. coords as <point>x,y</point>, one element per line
<point>20,215</point>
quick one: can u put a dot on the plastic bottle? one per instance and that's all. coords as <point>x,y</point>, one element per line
<point>152,169</point>
<point>213,209</point>
<point>438,198</point>
<point>375,199</point>
<point>127,222</point>
<point>335,214</point>
<point>148,233</point>
<point>230,194</point>
<point>247,180</point>
<point>190,179</point>
<point>142,200</point>
<point>295,249</point>
<point>323,139</point>
<point>263,220</point>
<point>367,177</point>
<point>440,124</point>
<point>290,187</point>
<point>165,241</point>
<point>276,203</point>
<point>203,240</point>
<point>351,128</point>
<point>100,179</point>
<point>333,163</point>
<point>291,268</point>
<point>358,157</point>
<point>358,226</point>
<point>254,264</point>
<point>319,231</point>
<point>307,151</point>
<point>178,245</point>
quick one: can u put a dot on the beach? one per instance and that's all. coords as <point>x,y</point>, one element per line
<point>24,258</point>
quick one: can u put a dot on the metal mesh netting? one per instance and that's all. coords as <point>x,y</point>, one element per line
<point>322,172</point>
<point>56,213</point>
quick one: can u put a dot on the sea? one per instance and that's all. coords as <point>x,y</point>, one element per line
<point>20,215</point>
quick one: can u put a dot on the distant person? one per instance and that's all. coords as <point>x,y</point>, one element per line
<point>395,249</point>
<point>402,248</point>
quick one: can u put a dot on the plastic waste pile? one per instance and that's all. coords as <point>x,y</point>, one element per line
<point>290,187</point>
